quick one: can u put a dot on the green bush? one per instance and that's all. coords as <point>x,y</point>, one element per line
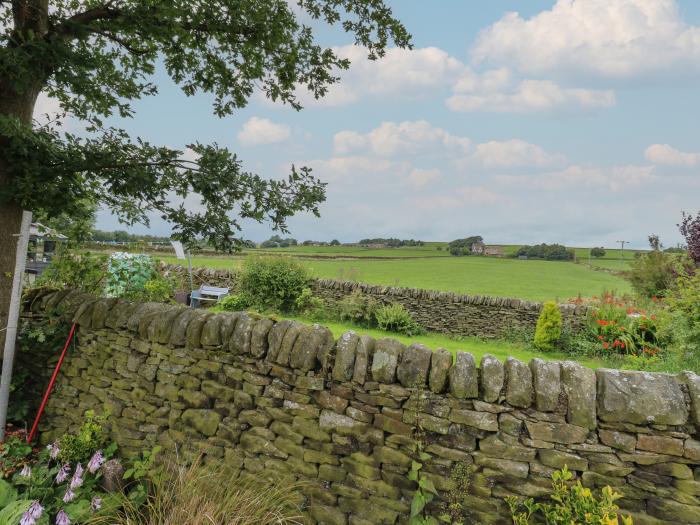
<point>157,289</point>
<point>548,329</point>
<point>572,504</point>
<point>91,436</point>
<point>358,308</point>
<point>395,318</point>
<point>652,274</point>
<point>311,306</point>
<point>684,306</point>
<point>597,252</point>
<point>78,271</point>
<point>273,283</point>
<point>234,302</point>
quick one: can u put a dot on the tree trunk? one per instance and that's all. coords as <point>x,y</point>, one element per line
<point>21,106</point>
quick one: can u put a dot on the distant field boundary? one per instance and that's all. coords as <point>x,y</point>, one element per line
<point>442,312</point>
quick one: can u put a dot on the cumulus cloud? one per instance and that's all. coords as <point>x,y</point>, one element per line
<point>400,74</point>
<point>497,91</point>
<point>420,138</point>
<point>663,154</point>
<point>257,131</point>
<point>514,153</point>
<point>609,38</point>
<point>408,137</point>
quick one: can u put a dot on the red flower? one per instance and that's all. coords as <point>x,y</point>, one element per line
<point>606,346</point>
<point>600,338</point>
<point>622,345</point>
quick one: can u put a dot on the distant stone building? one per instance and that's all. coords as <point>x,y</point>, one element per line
<point>494,251</point>
<point>43,245</point>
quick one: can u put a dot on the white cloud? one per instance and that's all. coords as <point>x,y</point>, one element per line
<point>663,154</point>
<point>414,139</point>
<point>419,177</point>
<point>610,38</point>
<point>400,74</point>
<point>496,90</point>
<point>514,153</point>
<point>258,131</point>
<point>615,179</point>
<point>408,137</point>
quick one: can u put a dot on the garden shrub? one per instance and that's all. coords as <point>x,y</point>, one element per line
<point>311,306</point>
<point>571,504</point>
<point>621,328</point>
<point>395,318</point>
<point>358,308</point>
<point>548,329</point>
<point>653,274</point>
<point>128,273</point>
<point>234,302</point>
<point>273,283</point>
<point>91,436</point>
<point>42,487</point>
<point>157,289</point>
<point>684,306</point>
<point>78,271</point>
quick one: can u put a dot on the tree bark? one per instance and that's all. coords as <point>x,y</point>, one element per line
<point>21,106</point>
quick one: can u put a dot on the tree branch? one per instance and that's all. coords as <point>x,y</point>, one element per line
<point>103,12</point>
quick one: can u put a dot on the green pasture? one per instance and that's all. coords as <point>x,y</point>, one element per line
<point>503,277</point>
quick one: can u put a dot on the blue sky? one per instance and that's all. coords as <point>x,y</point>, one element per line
<point>572,121</point>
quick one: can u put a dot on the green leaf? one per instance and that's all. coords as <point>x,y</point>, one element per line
<point>12,513</point>
<point>8,493</point>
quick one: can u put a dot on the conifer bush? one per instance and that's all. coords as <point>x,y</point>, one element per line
<point>548,329</point>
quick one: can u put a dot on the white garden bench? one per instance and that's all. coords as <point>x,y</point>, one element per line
<point>207,293</point>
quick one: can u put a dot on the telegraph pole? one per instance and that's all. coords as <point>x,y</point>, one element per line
<point>622,252</point>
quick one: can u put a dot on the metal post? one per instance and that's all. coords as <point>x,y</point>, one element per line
<point>13,319</point>
<point>622,253</point>
<point>189,269</point>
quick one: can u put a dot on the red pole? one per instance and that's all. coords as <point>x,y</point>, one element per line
<point>30,437</point>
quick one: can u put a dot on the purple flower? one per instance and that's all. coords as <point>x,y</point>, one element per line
<point>27,519</point>
<point>26,472</point>
<point>63,473</point>
<point>32,514</point>
<point>69,496</point>
<point>35,510</point>
<point>95,462</point>
<point>96,503</point>
<point>62,518</point>
<point>53,450</point>
<point>77,479</point>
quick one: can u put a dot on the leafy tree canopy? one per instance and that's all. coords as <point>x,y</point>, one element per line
<point>460,247</point>
<point>97,56</point>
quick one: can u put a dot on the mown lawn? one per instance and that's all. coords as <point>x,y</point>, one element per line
<point>533,280</point>
<point>477,347</point>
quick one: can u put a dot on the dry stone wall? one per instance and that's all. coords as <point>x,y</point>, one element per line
<point>444,312</point>
<point>276,397</point>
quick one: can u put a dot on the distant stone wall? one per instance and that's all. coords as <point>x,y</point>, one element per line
<point>271,397</point>
<point>443,312</point>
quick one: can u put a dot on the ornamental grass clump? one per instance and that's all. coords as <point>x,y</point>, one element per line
<point>200,494</point>
<point>548,329</point>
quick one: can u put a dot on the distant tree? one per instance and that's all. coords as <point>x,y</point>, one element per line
<point>598,252</point>
<point>550,252</point>
<point>655,242</point>
<point>335,242</point>
<point>690,229</point>
<point>461,247</point>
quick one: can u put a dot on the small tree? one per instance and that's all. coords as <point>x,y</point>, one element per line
<point>690,229</point>
<point>335,242</point>
<point>598,252</point>
<point>548,330</point>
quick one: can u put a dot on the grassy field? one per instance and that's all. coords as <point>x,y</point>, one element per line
<point>533,280</point>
